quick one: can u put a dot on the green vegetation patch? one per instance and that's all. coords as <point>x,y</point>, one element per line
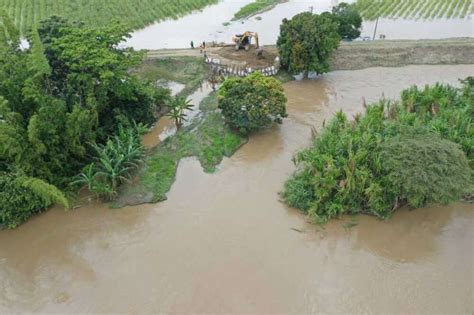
<point>24,196</point>
<point>207,138</point>
<point>132,13</point>
<point>258,6</point>
<point>190,71</point>
<point>414,152</point>
<point>413,9</point>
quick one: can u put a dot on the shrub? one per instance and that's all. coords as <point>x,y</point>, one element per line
<point>426,169</point>
<point>22,196</point>
<point>114,163</point>
<point>252,103</point>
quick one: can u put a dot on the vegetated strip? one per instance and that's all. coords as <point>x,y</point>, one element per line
<point>132,13</point>
<point>256,7</point>
<point>207,138</point>
<point>425,9</point>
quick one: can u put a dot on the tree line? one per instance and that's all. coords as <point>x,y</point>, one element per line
<point>66,102</point>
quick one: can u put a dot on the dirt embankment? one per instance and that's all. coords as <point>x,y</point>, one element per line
<point>360,55</point>
<point>388,53</point>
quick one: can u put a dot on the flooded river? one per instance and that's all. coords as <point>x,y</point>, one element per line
<point>223,243</point>
<point>208,25</point>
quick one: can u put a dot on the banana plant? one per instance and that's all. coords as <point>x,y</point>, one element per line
<point>178,107</point>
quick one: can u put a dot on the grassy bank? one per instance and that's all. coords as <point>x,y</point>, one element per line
<point>255,7</point>
<point>207,138</point>
<point>135,14</point>
<point>410,9</point>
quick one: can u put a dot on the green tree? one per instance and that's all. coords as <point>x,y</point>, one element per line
<point>9,34</point>
<point>71,89</point>
<point>349,20</point>
<point>306,42</point>
<point>177,110</point>
<point>252,103</point>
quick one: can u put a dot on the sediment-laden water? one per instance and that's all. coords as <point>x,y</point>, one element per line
<point>207,25</point>
<point>223,242</point>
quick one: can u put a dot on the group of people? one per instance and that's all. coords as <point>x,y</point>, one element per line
<point>202,47</point>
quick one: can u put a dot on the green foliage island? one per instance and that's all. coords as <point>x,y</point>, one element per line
<point>417,151</point>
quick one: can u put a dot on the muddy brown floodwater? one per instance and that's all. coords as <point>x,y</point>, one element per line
<point>224,243</point>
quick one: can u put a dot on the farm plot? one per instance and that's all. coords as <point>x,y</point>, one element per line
<point>415,9</point>
<point>133,13</point>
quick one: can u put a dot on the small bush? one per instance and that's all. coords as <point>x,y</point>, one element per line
<point>114,163</point>
<point>426,169</point>
<point>22,196</point>
<point>252,103</point>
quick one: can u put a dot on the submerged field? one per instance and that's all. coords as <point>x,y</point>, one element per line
<point>410,9</point>
<point>135,14</point>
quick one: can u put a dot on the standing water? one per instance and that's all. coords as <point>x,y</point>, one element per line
<point>223,243</point>
<point>208,25</point>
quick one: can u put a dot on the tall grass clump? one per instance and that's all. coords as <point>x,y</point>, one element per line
<point>114,163</point>
<point>414,152</point>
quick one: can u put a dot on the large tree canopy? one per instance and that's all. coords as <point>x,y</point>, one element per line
<point>349,20</point>
<point>306,42</point>
<point>70,90</point>
<point>252,103</point>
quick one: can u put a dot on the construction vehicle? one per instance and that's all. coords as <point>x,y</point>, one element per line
<point>245,40</point>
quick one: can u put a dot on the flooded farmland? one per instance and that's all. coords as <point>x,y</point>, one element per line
<point>224,243</point>
<point>214,24</point>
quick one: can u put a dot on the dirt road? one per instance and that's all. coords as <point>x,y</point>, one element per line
<point>361,55</point>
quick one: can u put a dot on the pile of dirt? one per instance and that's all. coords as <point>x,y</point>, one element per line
<point>247,58</point>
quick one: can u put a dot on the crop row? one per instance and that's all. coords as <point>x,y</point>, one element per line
<point>415,9</point>
<point>133,13</point>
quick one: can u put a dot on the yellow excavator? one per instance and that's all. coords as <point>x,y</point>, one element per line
<point>245,40</point>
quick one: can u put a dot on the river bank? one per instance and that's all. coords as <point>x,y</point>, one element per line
<point>366,54</point>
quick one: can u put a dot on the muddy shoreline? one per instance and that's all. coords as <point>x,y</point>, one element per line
<point>382,53</point>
